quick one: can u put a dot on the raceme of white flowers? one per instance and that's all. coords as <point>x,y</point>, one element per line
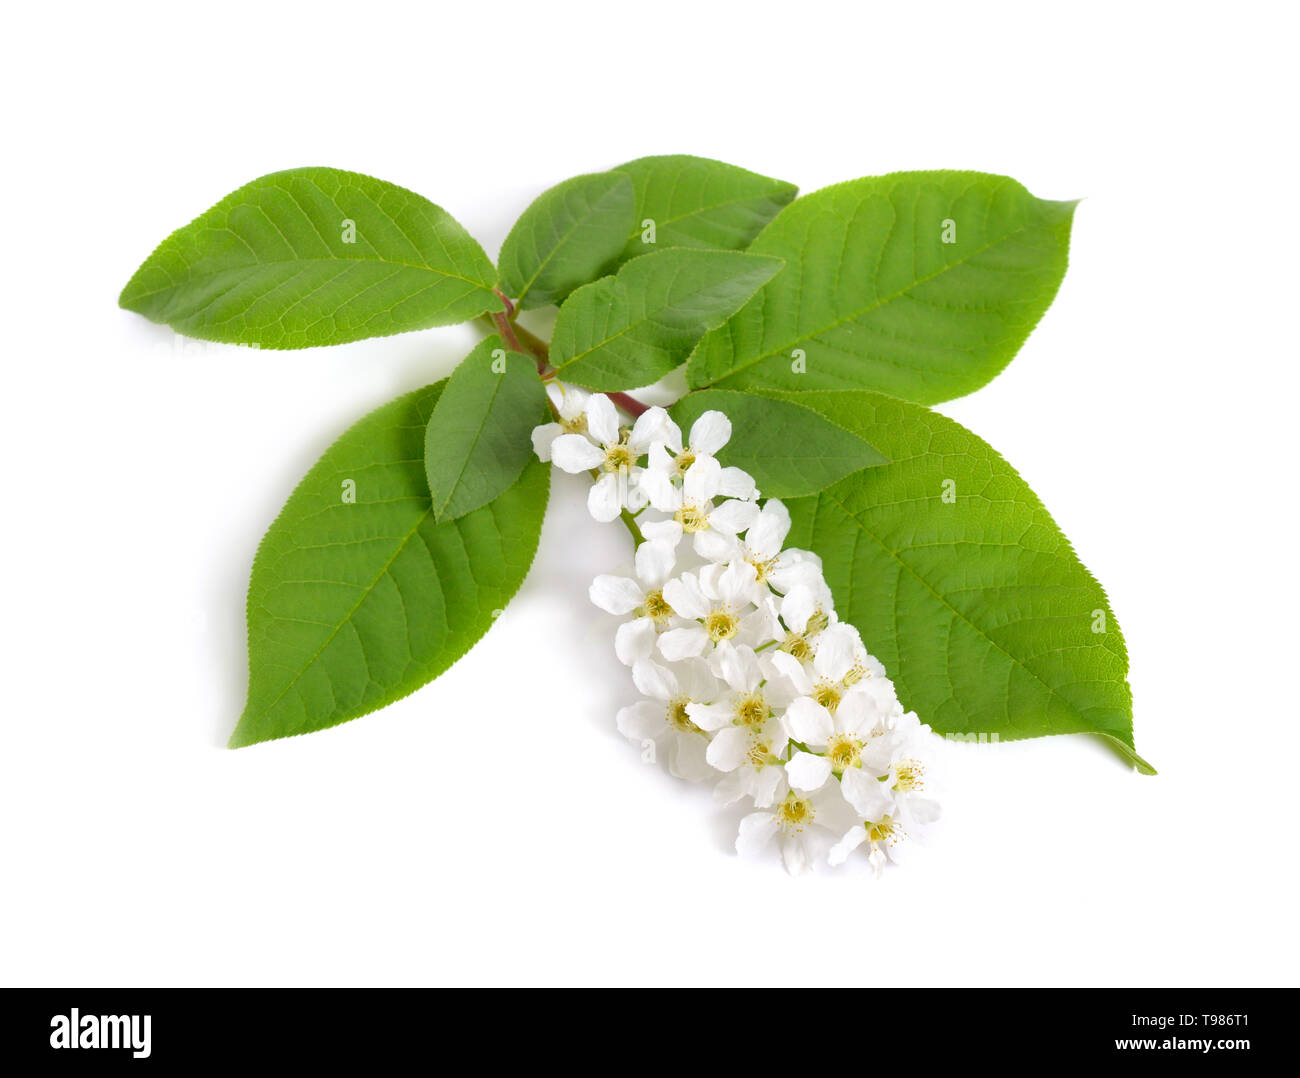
<point>748,679</point>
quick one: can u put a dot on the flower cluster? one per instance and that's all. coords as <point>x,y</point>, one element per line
<point>748,678</point>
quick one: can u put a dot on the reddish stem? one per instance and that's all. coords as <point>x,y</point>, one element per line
<point>628,404</point>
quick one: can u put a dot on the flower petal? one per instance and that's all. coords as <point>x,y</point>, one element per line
<point>711,716</point>
<point>683,594</point>
<point>850,842</point>
<point>602,419</point>
<point>809,722</point>
<point>756,833</point>
<point>790,668</point>
<point>770,786</point>
<point>797,607</point>
<point>700,484</point>
<point>868,796</point>
<point>543,436</point>
<point>767,534</point>
<point>652,425</point>
<point>737,666</point>
<point>684,643</point>
<point>654,563</point>
<point>659,489</point>
<point>696,682</point>
<point>729,748</point>
<point>663,531</point>
<point>795,854</point>
<point>686,760</point>
<point>736,586</point>
<point>736,483</point>
<point>807,772</point>
<point>575,454</point>
<point>634,641</point>
<point>616,594</point>
<point>715,546</point>
<point>641,720</point>
<point>733,515</point>
<point>653,680</point>
<point>835,648</point>
<point>710,432</point>
<point>604,499</point>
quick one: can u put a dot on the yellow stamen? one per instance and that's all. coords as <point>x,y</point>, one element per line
<point>721,623</point>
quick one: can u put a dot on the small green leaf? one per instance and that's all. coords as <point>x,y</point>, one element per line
<point>314,256</point>
<point>568,237</point>
<point>963,585</point>
<point>477,440</point>
<point>358,597</point>
<point>633,328</point>
<point>790,450</point>
<point>684,201</point>
<point>922,285</point>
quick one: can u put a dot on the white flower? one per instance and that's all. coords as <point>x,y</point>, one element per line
<point>804,615</point>
<point>643,596</point>
<point>570,403</point>
<point>799,822</point>
<point>841,737</point>
<point>748,738</point>
<point>781,570</point>
<point>615,453</point>
<point>671,692</point>
<point>716,600</point>
<point>895,810</point>
<point>709,433</point>
<point>692,508</point>
<point>840,665</point>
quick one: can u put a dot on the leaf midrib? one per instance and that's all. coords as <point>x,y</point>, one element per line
<point>962,617</point>
<point>605,342</point>
<point>562,243</point>
<point>478,434</point>
<point>854,316</point>
<point>636,232</point>
<point>193,278</point>
<point>365,594</point>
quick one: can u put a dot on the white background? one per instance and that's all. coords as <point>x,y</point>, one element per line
<point>494,828</point>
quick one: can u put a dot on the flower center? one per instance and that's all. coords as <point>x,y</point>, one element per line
<point>884,830</point>
<point>844,752</point>
<point>760,754</point>
<point>721,623</point>
<point>693,518</point>
<point>677,717</point>
<point>828,694</point>
<point>576,425</point>
<point>761,567</point>
<point>797,645</point>
<point>856,673</point>
<point>751,710</point>
<point>685,459</point>
<point>910,776</point>
<point>795,813</point>
<point>656,606</point>
<point>619,458</point>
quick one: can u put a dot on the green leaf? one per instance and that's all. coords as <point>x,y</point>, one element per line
<point>477,440</point>
<point>963,585</point>
<point>356,603</point>
<point>790,450</point>
<point>873,297</point>
<point>568,237</point>
<point>633,328</point>
<point>314,256</point>
<point>696,202</point>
